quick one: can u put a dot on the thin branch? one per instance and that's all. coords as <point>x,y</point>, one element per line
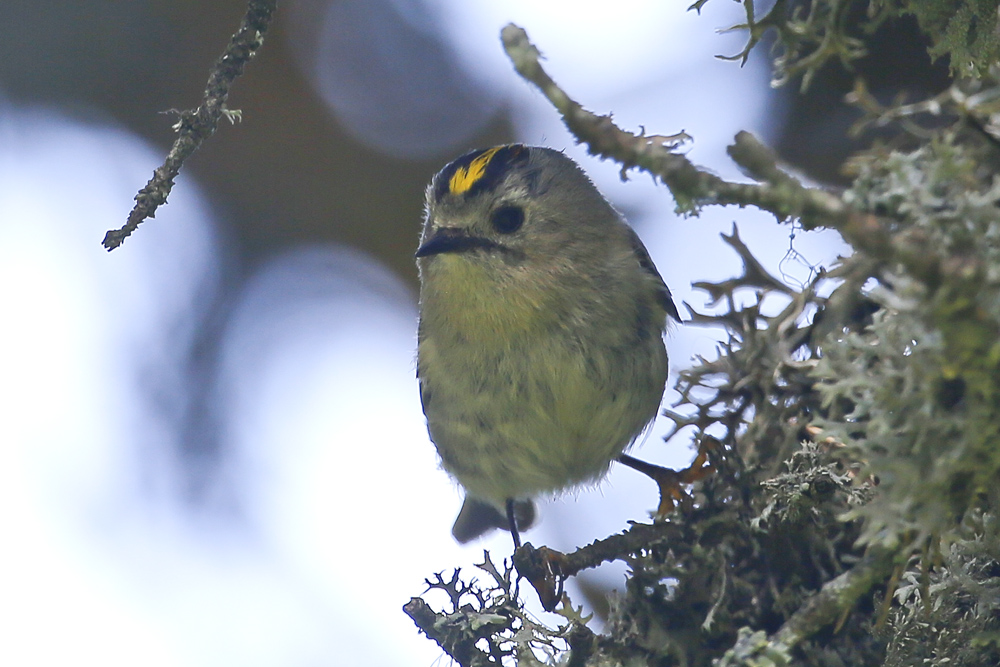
<point>455,634</point>
<point>826,607</point>
<point>692,187</point>
<point>836,597</point>
<point>433,624</point>
<point>547,569</point>
<point>533,563</point>
<point>194,126</point>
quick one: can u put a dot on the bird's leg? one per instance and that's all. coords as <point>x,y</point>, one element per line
<point>668,480</point>
<point>512,521</point>
<point>671,481</point>
<point>700,468</point>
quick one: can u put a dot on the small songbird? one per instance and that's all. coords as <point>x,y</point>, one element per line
<point>541,354</point>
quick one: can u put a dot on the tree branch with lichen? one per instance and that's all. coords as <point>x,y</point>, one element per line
<point>196,125</point>
<point>830,604</point>
<point>692,187</point>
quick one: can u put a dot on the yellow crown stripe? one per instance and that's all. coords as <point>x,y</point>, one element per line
<point>465,177</point>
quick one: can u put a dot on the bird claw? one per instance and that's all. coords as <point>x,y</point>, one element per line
<point>671,482</point>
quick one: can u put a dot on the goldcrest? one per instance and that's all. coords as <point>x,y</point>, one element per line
<point>540,345</point>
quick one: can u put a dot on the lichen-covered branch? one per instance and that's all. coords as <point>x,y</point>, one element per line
<point>836,597</point>
<point>547,569</point>
<point>437,626</point>
<point>775,191</point>
<point>531,562</point>
<point>485,625</point>
<point>692,187</point>
<point>196,125</point>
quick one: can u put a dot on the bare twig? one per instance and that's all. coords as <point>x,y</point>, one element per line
<point>194,126</point>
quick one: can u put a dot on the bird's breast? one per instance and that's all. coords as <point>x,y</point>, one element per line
<point>472,302</point>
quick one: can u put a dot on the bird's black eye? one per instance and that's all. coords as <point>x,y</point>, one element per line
<point>507,219</point>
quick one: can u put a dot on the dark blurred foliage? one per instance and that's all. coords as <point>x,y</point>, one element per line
<point>816,135</point>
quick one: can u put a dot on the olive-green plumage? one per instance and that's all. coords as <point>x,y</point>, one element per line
<point>541,355</point>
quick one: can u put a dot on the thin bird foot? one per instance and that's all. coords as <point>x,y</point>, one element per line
<point>671,482</point>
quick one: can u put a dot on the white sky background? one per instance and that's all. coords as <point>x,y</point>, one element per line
<point>340,508</point>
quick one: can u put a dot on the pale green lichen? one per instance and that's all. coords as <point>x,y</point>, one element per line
<point>921,384</point>
<point>964,31</point>
<point>809,35</point>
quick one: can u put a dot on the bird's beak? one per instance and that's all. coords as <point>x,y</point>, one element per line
<point>452,239</point>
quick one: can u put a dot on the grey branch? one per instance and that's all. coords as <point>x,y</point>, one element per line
<point>692,187</point>
<point>194,126</point>
<point>829,604</point>
<point>448,632</point>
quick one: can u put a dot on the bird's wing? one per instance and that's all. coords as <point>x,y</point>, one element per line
<point>663,293</point>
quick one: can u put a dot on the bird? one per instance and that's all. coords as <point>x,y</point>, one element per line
<point>540,343</point>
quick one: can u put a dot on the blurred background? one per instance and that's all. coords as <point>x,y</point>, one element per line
<point>211,439</point>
